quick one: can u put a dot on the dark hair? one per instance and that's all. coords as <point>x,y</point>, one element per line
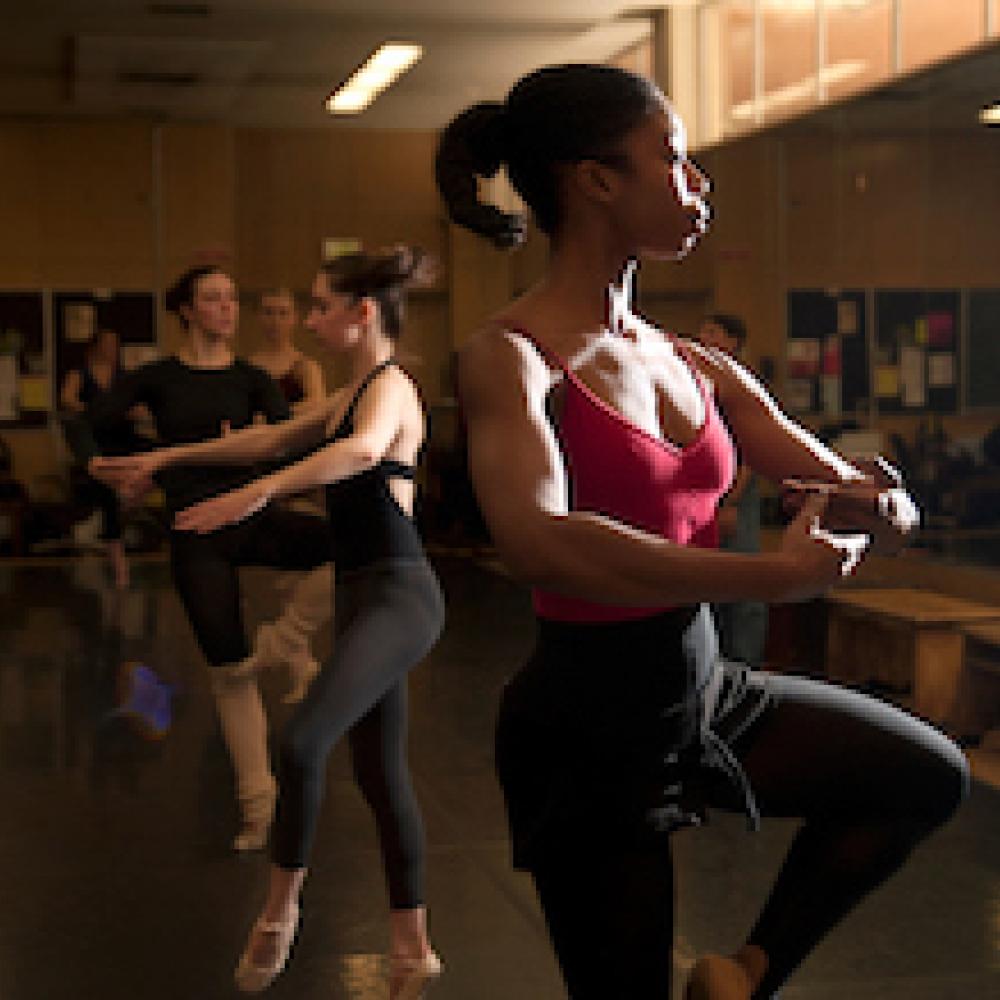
<point>181,292</point>
<point>101,331</point>
<point>735,327</point>
<point>383,277</point>
<point>556,115</point>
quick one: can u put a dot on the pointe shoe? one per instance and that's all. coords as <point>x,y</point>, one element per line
<point>256,824</point>
<point>252,978</point>
<point>274,648</point>
<point>716,977</point>
<point>413,975</point>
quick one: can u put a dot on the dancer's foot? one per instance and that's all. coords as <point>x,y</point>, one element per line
<point>255,823</point>
<point>274,647</point>
<point>267,950</point>
<point>717,977</point>
<point>410,975</point>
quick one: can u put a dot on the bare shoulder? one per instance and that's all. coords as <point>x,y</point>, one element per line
<point>495,362</point>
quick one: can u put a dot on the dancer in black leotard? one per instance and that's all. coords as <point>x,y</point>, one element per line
<point>299,377</point>
<point>198,393</point>
<point>599,457</point>
<point>389,605</point>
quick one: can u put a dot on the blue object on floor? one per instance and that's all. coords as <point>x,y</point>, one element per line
<point>145,700</point>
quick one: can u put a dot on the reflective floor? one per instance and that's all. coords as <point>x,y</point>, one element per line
<point>116,880</point>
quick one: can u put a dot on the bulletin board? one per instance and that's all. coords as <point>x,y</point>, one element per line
<point>76,316</point>
<point>982,365</point>
<point>25,383</point>
<point>916,360</point>
<point>827,369</point>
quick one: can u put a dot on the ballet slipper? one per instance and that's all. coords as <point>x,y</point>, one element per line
<point>278,646</point>
<point>286,642</point>
<point>716,977</point>
<point>253,978</point>
<point>256,816</point>
<point>409,978</point>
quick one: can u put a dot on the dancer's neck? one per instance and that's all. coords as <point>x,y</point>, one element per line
<point>202,351</point>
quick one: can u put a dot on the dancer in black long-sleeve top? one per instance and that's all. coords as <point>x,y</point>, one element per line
<point>201,392</point>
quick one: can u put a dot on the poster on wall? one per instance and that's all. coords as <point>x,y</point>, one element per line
<point>916,334</point>
<point>24,365</point>
<point>79,316</point>
<point>826,352</point>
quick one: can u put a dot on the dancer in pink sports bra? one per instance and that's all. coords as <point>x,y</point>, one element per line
<point>600,448</point>
<point>646,481</point>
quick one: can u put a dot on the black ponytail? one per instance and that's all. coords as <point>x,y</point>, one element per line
<point>556,115</point>
<point>474,145</point>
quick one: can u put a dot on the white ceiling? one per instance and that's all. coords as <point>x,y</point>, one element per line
<point>271,62</point>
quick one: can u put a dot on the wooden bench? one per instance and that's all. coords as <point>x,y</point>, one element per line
<point>905,640</point>
<point>978,703</point>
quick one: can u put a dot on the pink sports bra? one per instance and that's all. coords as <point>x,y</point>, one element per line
<point>618,469</point>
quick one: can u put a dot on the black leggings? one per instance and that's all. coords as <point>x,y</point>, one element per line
<point>205,571</point>
<point>389,615</point>
<point>92,493</point>
<point>870,782</point>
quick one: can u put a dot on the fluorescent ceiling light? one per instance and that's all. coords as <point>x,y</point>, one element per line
<point>795,93</point>
<point>990,115</point>
<point>378,72</point>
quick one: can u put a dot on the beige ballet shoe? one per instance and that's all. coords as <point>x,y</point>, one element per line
<point>716,977</point>
<point>257,816</point>
<point>275,646</point>
<point>409,978</point>
<point>253,978</point>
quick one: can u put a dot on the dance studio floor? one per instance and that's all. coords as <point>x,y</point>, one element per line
<point>116,880</point>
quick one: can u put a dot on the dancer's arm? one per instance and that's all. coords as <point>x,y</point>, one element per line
<point>377,421</point>
<point>241,447</point>
<point>520,480</point>
<point>778,447</point>
<point>69,396</point>
<point>82,429</point>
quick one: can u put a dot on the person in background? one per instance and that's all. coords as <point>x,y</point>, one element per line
<point>82,388</point>
<point>742,625</point>
<point>299,377</point>
<point>203,392</point>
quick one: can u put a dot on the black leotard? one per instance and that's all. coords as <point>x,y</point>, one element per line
<point>367,523</point>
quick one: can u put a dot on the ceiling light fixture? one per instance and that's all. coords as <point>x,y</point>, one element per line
<point>377,73</point>
<point>990,115</point>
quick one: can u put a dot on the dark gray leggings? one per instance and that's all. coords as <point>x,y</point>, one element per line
<point>870,782</point>
<point>388,616</point>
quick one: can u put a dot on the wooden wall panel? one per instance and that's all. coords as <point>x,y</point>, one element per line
<point>20,199</point>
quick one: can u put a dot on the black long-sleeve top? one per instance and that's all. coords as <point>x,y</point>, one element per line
<point>188,405</point>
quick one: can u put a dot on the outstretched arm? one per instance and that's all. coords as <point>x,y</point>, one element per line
<point>377,421</point>
<point>518,473</point>
<point>243,447</point>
